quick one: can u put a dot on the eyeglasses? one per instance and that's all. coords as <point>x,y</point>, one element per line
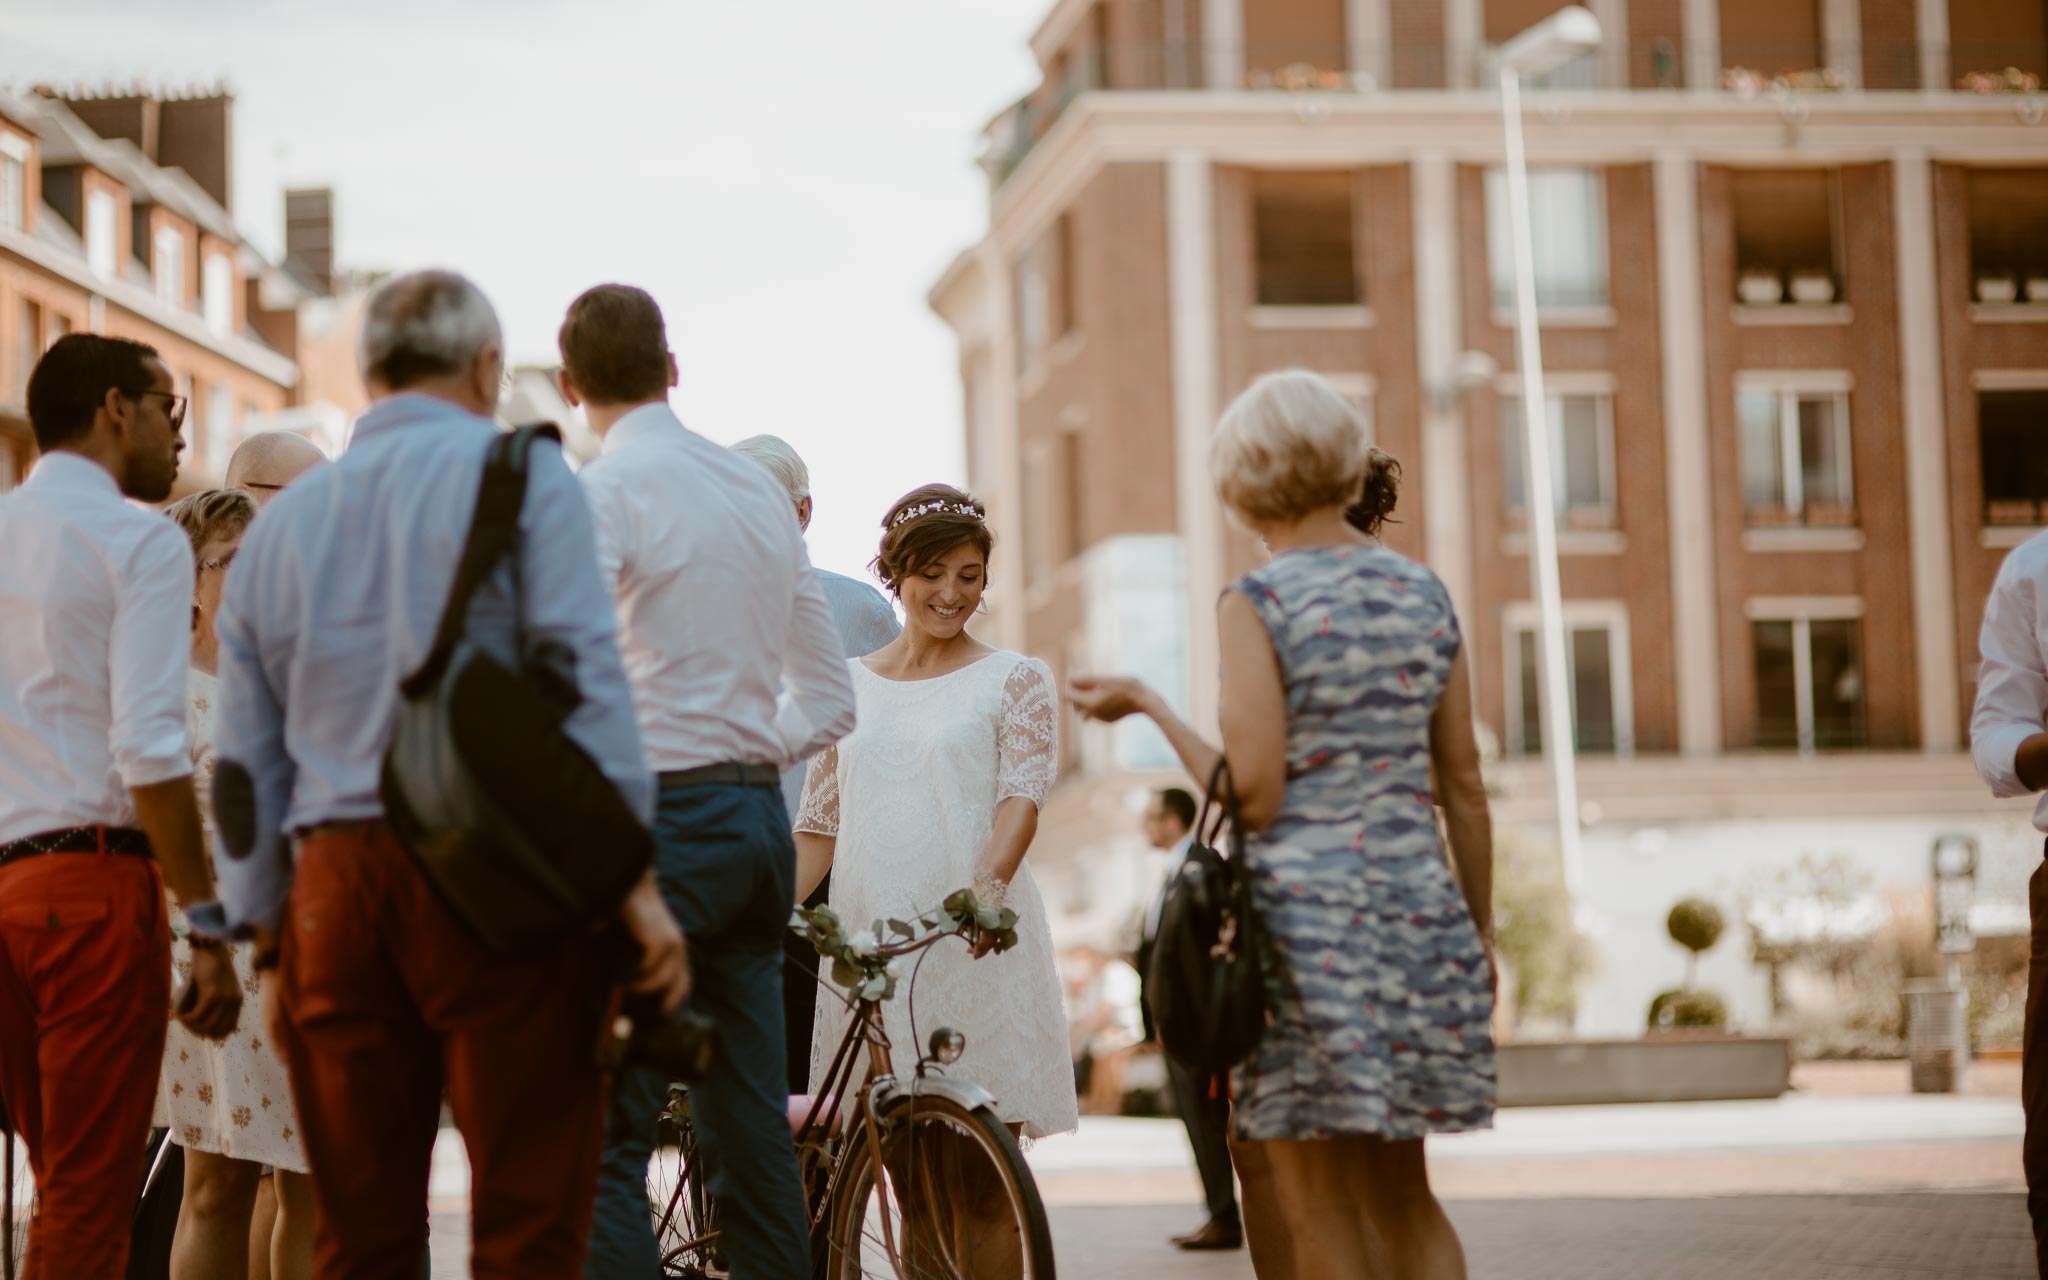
<point>221,562</point>
<point>176,412</point>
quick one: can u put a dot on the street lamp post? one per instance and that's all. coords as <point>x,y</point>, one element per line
<point>1549,44</point>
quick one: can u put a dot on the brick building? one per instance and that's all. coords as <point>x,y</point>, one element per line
<point>116,217</point>
<point>1792,267</point>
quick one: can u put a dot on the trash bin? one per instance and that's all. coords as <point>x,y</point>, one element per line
<point>1937,1035</point>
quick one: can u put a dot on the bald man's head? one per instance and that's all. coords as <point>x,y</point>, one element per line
<point>269,460</point>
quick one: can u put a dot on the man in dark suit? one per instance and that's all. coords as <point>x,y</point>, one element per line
<point>1204,1104</point>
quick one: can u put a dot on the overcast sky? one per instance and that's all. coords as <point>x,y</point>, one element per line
<point>787,177</point>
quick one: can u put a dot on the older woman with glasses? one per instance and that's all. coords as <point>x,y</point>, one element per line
<point>228,1103</point>
<point>1347,719</point>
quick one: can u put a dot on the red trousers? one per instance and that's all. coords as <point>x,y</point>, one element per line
<point>384,1002</point>
<point>85,995</point>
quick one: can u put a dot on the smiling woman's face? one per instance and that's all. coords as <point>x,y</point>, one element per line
<point>939,598</point>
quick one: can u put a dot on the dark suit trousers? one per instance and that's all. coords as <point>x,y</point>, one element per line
<point>1208,1122</point>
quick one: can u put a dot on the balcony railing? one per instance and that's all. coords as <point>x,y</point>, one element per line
<point>1743,67</point>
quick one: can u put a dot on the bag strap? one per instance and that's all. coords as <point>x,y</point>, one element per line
<point>493,534</point>
<point>1221,796</point>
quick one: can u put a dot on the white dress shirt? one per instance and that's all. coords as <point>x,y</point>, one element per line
<point>727,639</point>
<point>2012,685</point>
<point>95,634</point>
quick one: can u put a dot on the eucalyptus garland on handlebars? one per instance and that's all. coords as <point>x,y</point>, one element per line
<point>867,966</point>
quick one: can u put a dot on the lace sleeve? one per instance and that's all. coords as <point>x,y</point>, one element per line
<point>819,812</point>
<point>1028,739</point>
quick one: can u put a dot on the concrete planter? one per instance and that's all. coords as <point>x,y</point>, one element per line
<point>1665,1066</point>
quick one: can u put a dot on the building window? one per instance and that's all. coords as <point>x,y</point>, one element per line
<point>2012,439</point>
<point>1771,36</point>
<point>1034,307</point>
<point>100,240</point>
<point>1987,36</point>
<point>167,265</point>
<point>13,182</point>
<point>1066,312</point>
<point>28,345</point>
<point>1568,225</point>
<point>1073,482</point>
<point>1596,674</point>
<point>1809,683</point>
<point>216,293</point>
<point>1581,457</point>
<point>1787,236</point>
<point>2008,211</point>
<point>58,327</point>
<point>1795,458</point>
<point>1304,240</point>
<point>220,428</point>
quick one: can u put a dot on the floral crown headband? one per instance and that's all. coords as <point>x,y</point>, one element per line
<point>935,507</point>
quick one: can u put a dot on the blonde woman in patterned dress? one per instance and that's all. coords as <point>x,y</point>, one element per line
<point>1346,714</point>
<point>228,1103</point>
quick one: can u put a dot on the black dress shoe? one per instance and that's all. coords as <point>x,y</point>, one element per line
<point>1213,1235</point>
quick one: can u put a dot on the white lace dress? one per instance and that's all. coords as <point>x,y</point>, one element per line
<point>230,1097</point>
<point>911,795</point>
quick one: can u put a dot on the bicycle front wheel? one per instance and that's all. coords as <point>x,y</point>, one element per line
<point>951,1200</point>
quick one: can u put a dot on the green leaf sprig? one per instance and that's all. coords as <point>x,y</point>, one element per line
<point>868,963</point>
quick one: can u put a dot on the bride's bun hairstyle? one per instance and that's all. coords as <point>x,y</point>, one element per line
<point>924,526</point>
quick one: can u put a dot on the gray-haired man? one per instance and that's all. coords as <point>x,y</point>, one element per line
<point>865,623</point>
<point>382,998</point>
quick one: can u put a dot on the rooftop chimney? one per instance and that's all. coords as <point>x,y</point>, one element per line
<point>309,235</point>
<point>196,134</point>
<point>133,116</point>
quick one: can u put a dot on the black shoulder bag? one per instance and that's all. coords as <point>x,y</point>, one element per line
<point>1207,983</point>
<point>517,829</point>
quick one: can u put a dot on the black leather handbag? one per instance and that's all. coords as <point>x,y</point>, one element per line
<point>515,827</point>
<point>1206,981</point>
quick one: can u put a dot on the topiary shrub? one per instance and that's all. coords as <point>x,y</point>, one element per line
<point>1682,1007</point>
<point>1695,924</point>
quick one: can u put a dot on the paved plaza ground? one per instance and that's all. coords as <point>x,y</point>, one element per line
<point>1850,1176</point>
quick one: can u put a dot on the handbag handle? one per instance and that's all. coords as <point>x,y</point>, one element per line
<point>1221,795</point>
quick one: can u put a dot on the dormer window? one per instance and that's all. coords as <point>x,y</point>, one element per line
<point>216,293</point>
<point>167,266</point>
<point>13,182</point>
<point>101,243</point>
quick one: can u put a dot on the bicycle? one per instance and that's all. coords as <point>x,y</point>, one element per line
<point>909,1179</point>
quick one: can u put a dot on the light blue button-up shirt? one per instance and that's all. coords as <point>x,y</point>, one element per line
<point>334,596</point>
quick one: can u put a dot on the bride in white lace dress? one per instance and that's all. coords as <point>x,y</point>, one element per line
<point>937,788</point>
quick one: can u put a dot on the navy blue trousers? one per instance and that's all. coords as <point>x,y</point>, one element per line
<point>727,867</point>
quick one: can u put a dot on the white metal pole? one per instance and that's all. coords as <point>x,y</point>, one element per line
<point>1555,703</point>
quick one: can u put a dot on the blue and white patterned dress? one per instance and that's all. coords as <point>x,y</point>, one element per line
<point>1375,977</point>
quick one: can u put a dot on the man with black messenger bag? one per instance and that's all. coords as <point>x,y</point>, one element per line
<point>420,683</point>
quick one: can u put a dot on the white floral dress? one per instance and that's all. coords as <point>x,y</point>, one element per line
<point>911,795</point>
<point>228,1097</point>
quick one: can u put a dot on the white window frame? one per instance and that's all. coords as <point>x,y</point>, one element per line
<point>13,182</point>
<point>1519,616</point>
<point>1499,250</point>
<point>1790,387</point>
<point>1556,386</point>
<point>217,291</point>
<point>1802,612</point>
<point>102,236</point>
<point>167,250</point>
<point>1034,307</point>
